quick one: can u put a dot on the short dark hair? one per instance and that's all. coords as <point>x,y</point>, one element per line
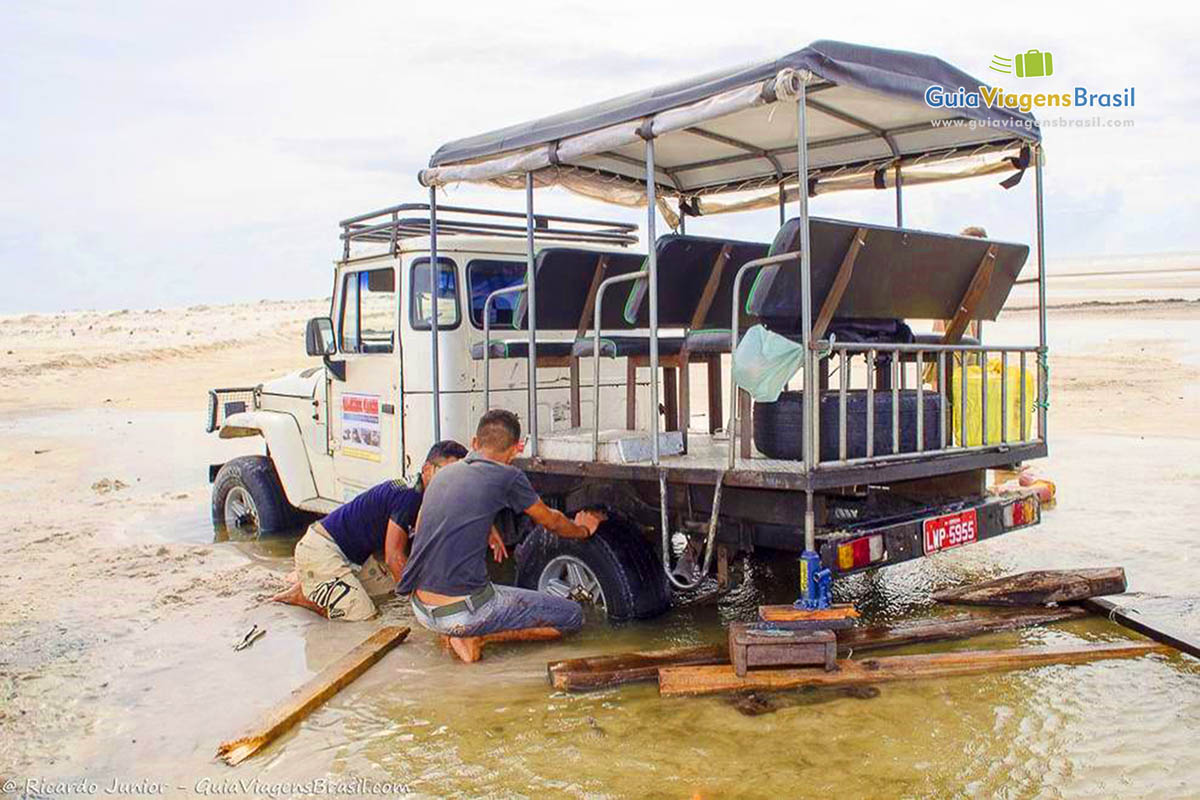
<point>498,429</point>
<point>445,450</point>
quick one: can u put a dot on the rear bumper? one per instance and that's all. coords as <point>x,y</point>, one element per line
<point>904,537</point>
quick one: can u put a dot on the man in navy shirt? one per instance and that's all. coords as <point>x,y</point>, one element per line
<point>337,572</point>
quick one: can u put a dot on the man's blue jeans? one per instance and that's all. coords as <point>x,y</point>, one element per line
<point>509,609</point>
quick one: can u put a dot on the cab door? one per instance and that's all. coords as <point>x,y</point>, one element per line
<point>364,421</point>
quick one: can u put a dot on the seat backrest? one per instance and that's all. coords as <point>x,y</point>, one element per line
<point>685,264</point>
<point>899,274</point>
<point>564,280</point>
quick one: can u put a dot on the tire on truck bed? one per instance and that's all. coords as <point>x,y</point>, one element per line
<point>628,570</point>
<point>253,477</point>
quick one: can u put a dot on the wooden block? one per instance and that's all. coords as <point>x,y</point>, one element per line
<point>721,678</point>
<point>760,645</point>
<point>470,648</point>
<point>789,613</point>
<point>305,699</point>
<point>1039,587</point>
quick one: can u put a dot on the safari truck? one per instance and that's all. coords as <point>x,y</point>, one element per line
<point>830,424</point>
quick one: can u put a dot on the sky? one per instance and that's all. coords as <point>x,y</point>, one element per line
<point>167,154</point>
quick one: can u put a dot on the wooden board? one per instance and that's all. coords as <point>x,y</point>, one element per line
<point>603,671</point>
<point>598,672</point>
<point>1132,619</point>
<point>1039,587</point>
<point>789,613</point>
<point>322,686</point>
<point>673,681</point>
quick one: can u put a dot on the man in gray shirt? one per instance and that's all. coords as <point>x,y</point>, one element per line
<point>446,573</point>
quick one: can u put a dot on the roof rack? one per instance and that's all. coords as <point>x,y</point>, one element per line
<point>390,225</point>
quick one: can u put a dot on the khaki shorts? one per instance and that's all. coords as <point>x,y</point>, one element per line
<point>332,582</point>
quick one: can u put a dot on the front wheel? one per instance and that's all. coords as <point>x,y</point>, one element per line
<point>615,570</point>
<point>248,498</point>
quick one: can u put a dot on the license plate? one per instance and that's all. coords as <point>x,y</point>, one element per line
<point>951,530</point>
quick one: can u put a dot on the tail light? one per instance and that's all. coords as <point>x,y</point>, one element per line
<point>1021,512</point>
<point>860,552</point>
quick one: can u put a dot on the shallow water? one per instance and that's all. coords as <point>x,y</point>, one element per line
<point>441,728</point>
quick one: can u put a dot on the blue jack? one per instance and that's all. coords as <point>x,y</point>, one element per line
<point>816,583</point>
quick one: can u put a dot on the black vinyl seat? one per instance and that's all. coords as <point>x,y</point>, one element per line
<point>519,348</point>
<point>626,346</point>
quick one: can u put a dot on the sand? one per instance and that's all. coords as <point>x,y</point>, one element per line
<point>119,611</point>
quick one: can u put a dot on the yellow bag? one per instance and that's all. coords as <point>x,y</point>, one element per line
<point>975,403</point>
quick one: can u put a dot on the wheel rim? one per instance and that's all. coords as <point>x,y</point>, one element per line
<point>240,512</point>
<point>570,578</point>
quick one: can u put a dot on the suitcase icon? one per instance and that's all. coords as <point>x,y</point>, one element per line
<point>1034,64</point>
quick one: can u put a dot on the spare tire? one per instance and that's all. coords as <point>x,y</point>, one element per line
<point>615,569</point>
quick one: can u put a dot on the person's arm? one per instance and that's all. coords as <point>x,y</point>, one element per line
<point>558,523</point>
<point>496,542</point>
<point>395,548</point>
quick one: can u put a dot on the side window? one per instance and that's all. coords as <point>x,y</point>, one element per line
<point>368,320</point>
<point>485,277</point>
<point>348,324</point>
<point>447,295</point>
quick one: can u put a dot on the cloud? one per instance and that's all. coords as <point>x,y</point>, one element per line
<point>164,154</point>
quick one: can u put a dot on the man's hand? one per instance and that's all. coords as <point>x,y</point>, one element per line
<point>496,542</point>
<point>590,520</point>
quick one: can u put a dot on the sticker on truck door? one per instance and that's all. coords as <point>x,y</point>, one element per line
<point>360,426</point>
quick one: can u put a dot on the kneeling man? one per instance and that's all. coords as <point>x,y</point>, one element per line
<point>447,572</point>
<point>337,572</point>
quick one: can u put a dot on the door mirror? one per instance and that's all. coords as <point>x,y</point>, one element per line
<point>318,337</point>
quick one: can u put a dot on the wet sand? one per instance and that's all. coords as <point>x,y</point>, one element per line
<point>120,609</point>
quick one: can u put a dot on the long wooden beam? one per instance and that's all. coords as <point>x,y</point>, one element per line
<point>674,681</point>
<point>324,685</point>
<point>971,297</point>
<point>603,671</point>
<point>840,282</point>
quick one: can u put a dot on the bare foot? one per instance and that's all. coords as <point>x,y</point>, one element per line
<point>469,649</point>
<point>294,596</point>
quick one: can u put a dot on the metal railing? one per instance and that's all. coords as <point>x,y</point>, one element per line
<point>487,340</point>
<point>736,319</point>
<point>596,336</point>
<point>948,361</point>
<point>388,226</point>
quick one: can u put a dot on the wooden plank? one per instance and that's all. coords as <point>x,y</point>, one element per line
<point>597,672</point>
<point>945,629</point>
<point>695,680</point>
<point>322,686</point>
<point>1039,587</point>
<point>710,288</point>
<point>1132,619</point>
<point>789,613</point>
<point>976,289</point>
<point>670,399</point>
<point>840,282</point>
<point>589,305</point>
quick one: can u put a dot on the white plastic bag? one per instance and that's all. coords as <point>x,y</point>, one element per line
<point>764,362</point>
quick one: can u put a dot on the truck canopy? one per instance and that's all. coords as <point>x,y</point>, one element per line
<point>720,132</point>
